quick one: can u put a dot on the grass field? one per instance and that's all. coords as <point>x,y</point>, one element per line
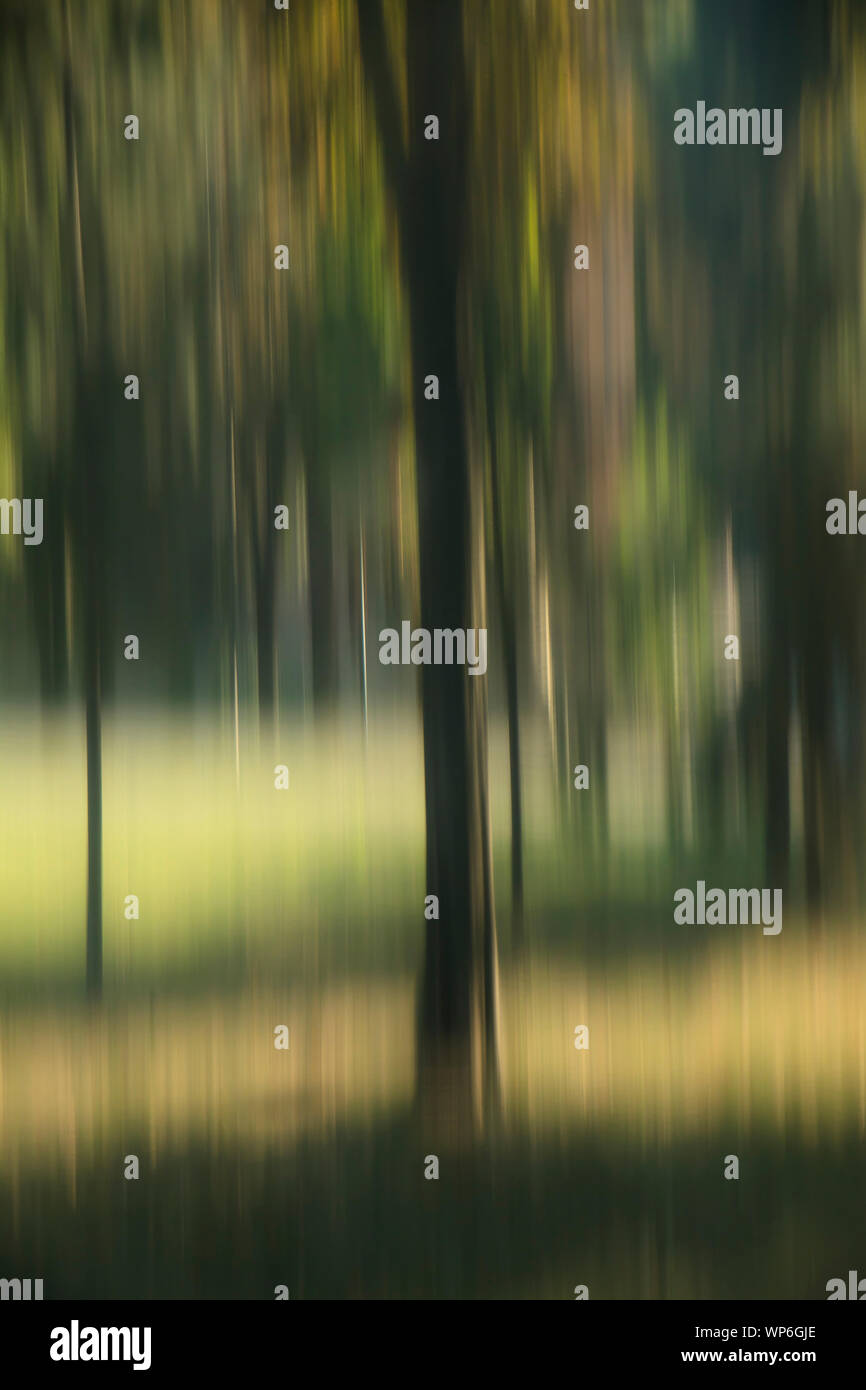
<point>305,1167</point>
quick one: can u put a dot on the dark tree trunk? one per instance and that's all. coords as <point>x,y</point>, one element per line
<point>778,713</point>
<point>457,996</point>
<point>513,708</point>
<point>265,540</point>
<point>357,584</point>
<point>320,549</point>
<point>93,736</point>
<point>456,984</point>
<point>88,508</point>
<point>266,595</point>
<point>507,611</point>
<point>815,782</point>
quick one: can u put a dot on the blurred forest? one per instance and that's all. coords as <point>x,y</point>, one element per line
<point>304,388</point>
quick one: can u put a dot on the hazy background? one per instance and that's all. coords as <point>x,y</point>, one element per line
<point>259,647</point>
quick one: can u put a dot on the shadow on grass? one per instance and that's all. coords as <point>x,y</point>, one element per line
<point>352,1216</point>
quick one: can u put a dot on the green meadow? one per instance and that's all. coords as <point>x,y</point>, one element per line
<point>304,907</point>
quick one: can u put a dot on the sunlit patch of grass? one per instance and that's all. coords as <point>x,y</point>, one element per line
<point>759,1033</point>
<point>221,862</point>
<point>761,1037</point>
<point>161,1076</point>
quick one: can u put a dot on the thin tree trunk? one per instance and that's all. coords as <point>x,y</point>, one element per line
<point>507,609</point>
<point>320,549</point>
<point>778,713</point>
<point>477,692</point>
<point>93,738</point>
<point>265,619</point>
<point>815,754</point>
<point>362,559</point>
<point>90,535</point>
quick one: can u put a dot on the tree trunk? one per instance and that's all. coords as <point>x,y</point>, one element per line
<point>454,1036</point>
<point>88,520</point>
<point>320,550</point>
<point>507,612</point>
<point>93,738</point>
<point>778,713</point>
<point>265,618</point>
<point>815,761</point>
